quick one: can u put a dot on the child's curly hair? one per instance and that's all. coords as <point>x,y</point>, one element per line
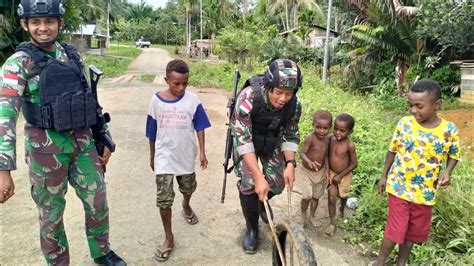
<point>178,66</point>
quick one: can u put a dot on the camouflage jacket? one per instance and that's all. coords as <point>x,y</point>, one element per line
<point>241,124</point>
<point>19,83</point>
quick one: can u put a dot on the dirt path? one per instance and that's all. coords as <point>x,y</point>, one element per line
<point>135,224</point>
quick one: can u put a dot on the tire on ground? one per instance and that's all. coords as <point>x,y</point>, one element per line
<point>304,253</point>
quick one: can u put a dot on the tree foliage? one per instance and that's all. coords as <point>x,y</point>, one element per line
<point>450,23</point>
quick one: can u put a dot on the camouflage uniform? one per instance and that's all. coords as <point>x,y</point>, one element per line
<point>54,159</point>
<point>273,166</point>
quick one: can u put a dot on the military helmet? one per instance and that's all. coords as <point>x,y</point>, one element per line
<point>283,73</point>
<point>40,8</point>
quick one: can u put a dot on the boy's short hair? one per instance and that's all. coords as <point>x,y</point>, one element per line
<point>348,119</point>
<point>323,114</point>
<point>178,66</point>
<point>428,85</point>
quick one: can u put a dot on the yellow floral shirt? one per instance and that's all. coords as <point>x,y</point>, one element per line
<point>420,153</point>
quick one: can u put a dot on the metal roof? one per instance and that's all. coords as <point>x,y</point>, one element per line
<point>88,30</point>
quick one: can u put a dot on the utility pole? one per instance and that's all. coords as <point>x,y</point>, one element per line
<point>245,5</point>
<point>107,41</point>
<point>200,48</point>
<point>326,43</point>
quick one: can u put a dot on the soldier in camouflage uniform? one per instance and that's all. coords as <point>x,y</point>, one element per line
<point>55,158</point>
<point>265,127</point>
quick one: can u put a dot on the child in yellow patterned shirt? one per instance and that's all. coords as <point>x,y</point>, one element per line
<point>413,170</point>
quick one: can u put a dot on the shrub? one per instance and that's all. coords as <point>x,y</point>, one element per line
<point>446,76</point>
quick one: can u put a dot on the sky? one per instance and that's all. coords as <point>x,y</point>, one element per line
<point>154,3</point>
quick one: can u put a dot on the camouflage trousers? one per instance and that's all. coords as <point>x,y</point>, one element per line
<point>49,175</point>
<point>272,167</point>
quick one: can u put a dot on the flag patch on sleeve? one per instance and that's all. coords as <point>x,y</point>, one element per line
<point>10,79</point>
<point>245,106</point>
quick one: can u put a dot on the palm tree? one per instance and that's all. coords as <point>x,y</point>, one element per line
<point>291,8</point>
<point>187,6</point>
<point>381,33</point>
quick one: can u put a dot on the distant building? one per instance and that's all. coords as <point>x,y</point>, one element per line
<point>316,38</point>
<point>89,40</point>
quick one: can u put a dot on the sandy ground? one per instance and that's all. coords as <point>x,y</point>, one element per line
<point>136,228</point>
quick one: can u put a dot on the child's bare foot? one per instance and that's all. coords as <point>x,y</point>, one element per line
<point>330,230</point>
<point>315,222</point>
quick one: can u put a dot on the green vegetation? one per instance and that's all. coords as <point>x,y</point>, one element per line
<point>451,238</point>
<point>148,78</point>
<point>115,62</point>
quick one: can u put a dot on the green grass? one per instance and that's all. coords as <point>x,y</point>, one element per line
<point>215,75</point>
<point>116,60</point>
<point>148,78</point>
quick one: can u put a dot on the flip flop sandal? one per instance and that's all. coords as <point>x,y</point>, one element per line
<point>162,255</point>
<point>191,219</point>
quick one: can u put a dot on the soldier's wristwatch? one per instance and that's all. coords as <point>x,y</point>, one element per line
<point>290,161</point>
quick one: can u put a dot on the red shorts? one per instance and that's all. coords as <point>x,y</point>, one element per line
<point>407,221</point>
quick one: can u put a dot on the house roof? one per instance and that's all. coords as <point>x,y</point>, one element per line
<point>314,26</point>
<point>88,30</point>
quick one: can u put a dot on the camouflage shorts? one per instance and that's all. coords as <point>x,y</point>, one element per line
<point>272,167</point>
<point>164,188</point>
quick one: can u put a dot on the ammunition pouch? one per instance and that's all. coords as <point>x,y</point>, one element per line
<point>66,102</point>
<point>68,111</point>
<point>264,145</point>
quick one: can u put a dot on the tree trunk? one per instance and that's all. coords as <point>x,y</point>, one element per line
<point>401,76</point>
<point>244,7</point>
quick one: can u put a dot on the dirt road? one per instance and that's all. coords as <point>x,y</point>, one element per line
<point>136,228</point>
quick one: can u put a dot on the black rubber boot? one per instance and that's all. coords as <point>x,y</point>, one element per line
<point>110,259</point>
<point>261,208</point>
<point>249,205</point>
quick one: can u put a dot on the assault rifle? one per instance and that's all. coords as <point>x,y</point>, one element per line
<point>228,140</point>
<point>100,133</point>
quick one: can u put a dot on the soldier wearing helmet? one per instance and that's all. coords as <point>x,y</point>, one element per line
<point>265,127</point>
<point>47,80</point>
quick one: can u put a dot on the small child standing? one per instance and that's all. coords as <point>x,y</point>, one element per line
<point>173,117</point>
<point>413,170</point>
<point>342,160</point>
<point>315,166</point>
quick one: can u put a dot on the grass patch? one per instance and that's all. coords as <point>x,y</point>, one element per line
<point>116,60</point>
<point>220,75</point>
<point>147,78</point>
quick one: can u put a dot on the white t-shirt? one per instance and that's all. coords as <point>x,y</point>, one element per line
<point>172,125</point>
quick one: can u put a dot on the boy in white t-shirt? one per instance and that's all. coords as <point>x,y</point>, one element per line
<point>173,117</point>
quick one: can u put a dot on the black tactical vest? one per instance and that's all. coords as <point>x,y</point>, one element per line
<point>266,123</point>
<point>66,100</point>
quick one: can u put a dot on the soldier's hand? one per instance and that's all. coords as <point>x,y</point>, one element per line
<point>7,187</point>
<point>289,175</point>
<point>261,188</point>
<point>104,159</point>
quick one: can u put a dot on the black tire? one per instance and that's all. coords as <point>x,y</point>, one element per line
<point>303,253</point>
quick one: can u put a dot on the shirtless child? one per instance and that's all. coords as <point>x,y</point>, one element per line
<point>342,160</point>
<point>315,161</point>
